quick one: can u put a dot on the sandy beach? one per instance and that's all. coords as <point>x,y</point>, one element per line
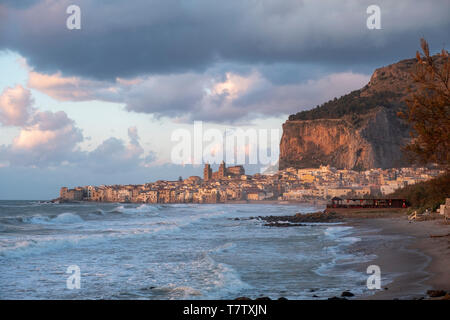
<point>413,256</point>
<point>406,251</point>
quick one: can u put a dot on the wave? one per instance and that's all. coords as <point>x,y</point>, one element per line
<point>340,234</point>
<point>207,278</point>
<point>174,291</point>
<point>341,259</point>
<point>43,244</point>
<point>223,248</point>
<point>36,247</point>
<point>100,211</point>
<point>143,208</point>
<point>223,281</point>
<point>67,217</point>
<point>63,218</point>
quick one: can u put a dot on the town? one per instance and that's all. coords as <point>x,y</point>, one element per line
<point>230,184</point>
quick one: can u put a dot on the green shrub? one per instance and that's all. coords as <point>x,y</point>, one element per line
<point>426,195</point>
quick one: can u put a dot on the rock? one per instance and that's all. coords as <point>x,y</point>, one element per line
<point>284,225</point>
<point>360,130</point>
<point>341,144</point>
<point>243,298</point>
<point>315,296</point>
<point>436,293</point>
<point>299,218</point>
<point>347,294</point>
<point>282,298</point>
<point>336,298</point>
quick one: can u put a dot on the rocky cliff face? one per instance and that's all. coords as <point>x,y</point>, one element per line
<point>360,130</point>
<point>375,142</point>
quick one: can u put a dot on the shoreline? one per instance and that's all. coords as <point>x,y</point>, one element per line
<point>414,261</point>
<point>411,261</point>
<point>317,202</point>
<point>413,256</point>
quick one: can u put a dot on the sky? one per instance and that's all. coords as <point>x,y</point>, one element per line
<point>99,104</point>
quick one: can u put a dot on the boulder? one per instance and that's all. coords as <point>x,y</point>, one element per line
<point>347,294</point>
<point>436,293</point>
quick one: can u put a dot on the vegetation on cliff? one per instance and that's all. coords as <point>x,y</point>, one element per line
<point>350,104</point>
<point>426,195</point>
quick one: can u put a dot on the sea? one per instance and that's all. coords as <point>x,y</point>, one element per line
<point>174,251</point>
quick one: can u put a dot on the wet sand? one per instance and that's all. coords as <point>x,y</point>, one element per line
<point>411,261</point>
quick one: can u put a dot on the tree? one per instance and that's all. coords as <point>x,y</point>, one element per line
<point>428,109</point>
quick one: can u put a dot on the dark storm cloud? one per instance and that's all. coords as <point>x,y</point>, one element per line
<point>126,39</point>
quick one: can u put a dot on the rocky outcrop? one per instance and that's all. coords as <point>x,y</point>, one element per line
<point>375,141</point>
<point>360,130</point>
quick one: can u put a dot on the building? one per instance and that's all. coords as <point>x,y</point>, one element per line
<point>255,194</point>
<point>223,172</point>
<point>71,194</point>
<point>235,171</point>
<point>207,172</point>
<point>230,184</point>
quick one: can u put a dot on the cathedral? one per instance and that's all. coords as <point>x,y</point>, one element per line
<point>224,172</point>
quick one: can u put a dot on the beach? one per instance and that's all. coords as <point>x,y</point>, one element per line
<point>420,262</point>
<point>413,256</point>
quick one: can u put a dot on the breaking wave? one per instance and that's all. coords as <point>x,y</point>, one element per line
<point>143,208</point>
<point>63,218</point>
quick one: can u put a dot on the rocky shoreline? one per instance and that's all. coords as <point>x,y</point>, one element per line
<point>297,220</point>
<point>300,219</point>
<point>346,295</point>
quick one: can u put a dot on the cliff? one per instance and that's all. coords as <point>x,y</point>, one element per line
<point>360,130</point>
<point>375,141</point>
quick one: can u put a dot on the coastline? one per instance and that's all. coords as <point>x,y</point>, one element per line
<point>316,202</point>
<point>411,261</point>
<point>413,256</point>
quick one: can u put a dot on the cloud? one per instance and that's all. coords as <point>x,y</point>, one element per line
<point>234,97</point>
<point>75,88</point>
<point>15,106</point>
<point>213,61</point>
<point>114,155</point>
<point>45,138</point>
<point>166,95</point>
<point>227,97</point>
<point>167,36</point>
<point>50,139</point>
<point>133,135</point>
